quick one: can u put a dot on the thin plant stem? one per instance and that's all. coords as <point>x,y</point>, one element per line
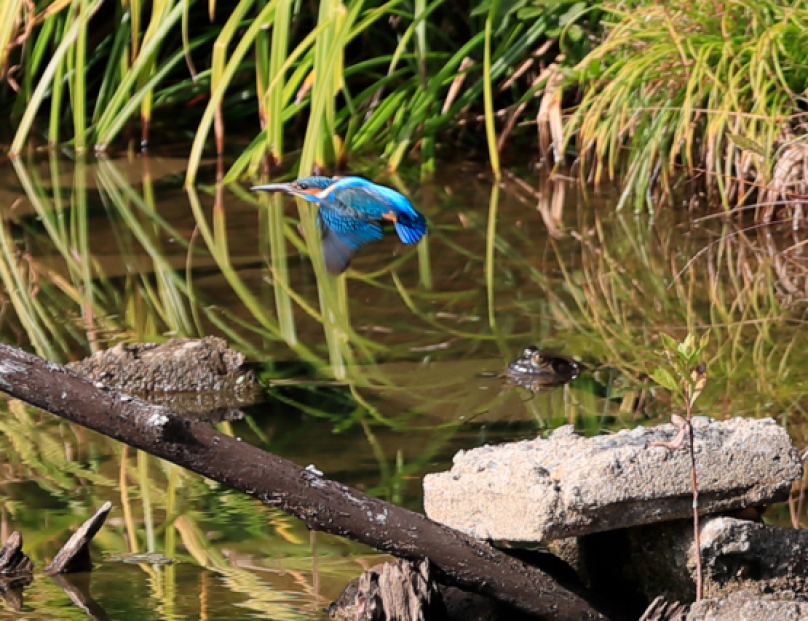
<point>488,97</point>
<point>801,500</point>
<point>694,483</point>
<point>490,250</point>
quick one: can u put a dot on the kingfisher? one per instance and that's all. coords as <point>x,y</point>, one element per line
<point>350,214</point>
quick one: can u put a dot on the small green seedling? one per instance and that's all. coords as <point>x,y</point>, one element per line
<point>685,378</point>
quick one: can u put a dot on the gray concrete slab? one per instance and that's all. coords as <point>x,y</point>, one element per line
<point>569,485</point>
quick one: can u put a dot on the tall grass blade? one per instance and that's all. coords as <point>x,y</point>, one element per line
<point>86,11</point>
<point>159,10</point>
<point>110,122</point>
<point>12,13</point>
<point>79,86</point>
<point>488,96</point>
<point>217,94</point>
<point>277,78</point>
<point>116,123</point>
<point>279,264</point>
<point>56,112</point>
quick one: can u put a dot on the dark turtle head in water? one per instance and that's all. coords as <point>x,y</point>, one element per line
<point>536,369</point>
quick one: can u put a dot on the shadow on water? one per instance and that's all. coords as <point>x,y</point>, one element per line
<point>376,377</point>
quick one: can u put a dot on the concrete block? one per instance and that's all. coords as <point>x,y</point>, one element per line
<point>569,485</point>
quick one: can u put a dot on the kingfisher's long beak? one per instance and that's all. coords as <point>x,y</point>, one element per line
<point>309,194</point>
<point>288,188</point>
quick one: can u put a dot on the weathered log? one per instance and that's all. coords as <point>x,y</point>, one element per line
<point>357,602</point>
<point>322,504</point>
<point>74,555</point>
<point>16,571</point>
<point>400,590</point>
<point>13,561</point>
<point>662,610</point>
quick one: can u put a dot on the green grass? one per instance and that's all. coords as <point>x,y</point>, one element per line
<point>654,92</point>
<point>398,77</point>
<point>713,90</point>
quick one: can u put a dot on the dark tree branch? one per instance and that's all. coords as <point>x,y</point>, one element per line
<point>322,504</point>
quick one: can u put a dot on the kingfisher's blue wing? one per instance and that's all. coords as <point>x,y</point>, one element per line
<point>342,236</point>
<point>378,202</point>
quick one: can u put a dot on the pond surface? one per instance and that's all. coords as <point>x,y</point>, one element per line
<point>376,378</point>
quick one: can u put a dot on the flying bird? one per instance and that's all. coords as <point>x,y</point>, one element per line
<point>350,213</point>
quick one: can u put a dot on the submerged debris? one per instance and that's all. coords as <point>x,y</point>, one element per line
<point>16,569</point>
<point>202,377</point>
<point>178,365</point>
<point>400,589</point>
<point>75,554</point>
<point>138,558</point>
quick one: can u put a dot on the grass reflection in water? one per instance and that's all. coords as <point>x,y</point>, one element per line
<point>375,377</point>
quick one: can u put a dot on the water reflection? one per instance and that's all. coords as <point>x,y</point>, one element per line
<point>377,376</point>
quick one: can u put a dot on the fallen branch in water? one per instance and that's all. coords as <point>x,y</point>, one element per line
<point>322,504</point>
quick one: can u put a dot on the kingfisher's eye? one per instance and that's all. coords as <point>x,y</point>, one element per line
<point>302,186</point>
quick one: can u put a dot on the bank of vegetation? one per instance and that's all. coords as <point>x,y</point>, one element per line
<point>642,89</point>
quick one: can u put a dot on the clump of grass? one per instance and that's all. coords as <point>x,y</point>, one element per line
<point>359,76</point>
<point>713,88</point>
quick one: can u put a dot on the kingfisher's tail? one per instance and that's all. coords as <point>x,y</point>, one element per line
<point>410,226</point>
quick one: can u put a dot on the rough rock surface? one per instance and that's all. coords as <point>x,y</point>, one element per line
<point>178,365</point>
<point>639,563</point>
<point>568,485</point>
<point>753,557</point>
<point>747,607</point>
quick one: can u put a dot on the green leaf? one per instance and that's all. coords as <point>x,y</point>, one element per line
<point>572,13</point>
<point>575,33</point>
<point>747,143</point>
<point>698,378</point>
<point>668,342</point>
<point>688,343</point>
<point>664,378</point>
<point>704,341</point>
<point>530,12</point>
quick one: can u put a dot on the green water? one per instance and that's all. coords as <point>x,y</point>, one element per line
<point>376,378</point>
